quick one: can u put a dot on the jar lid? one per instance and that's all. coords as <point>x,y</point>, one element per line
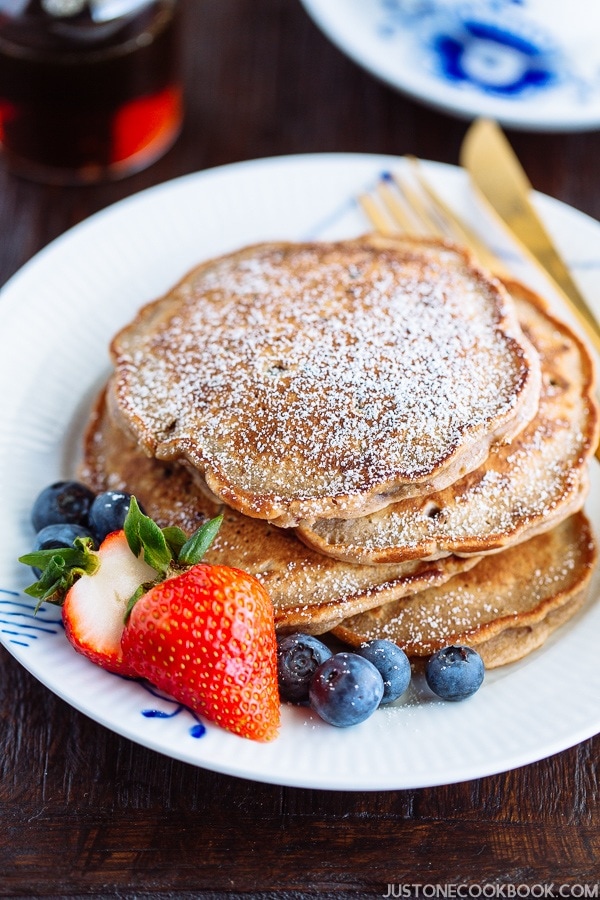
<point>72,25</point>
<point>99,10</point>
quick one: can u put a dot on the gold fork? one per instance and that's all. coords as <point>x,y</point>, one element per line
<point>411,206</point>
<point>398,206</point>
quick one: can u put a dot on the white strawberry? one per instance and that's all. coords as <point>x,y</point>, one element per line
<point>95,605</point>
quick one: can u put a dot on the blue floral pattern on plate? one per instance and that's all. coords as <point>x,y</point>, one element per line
<point>19,621</point>
<point>486,45</point>
<point>197,730</point>
<point>21,625</point>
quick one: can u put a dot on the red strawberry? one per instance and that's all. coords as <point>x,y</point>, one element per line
<point>94,607</point>
<point>204,634</point>
<point>207,638</point>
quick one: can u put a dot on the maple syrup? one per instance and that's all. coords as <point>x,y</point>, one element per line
<point>89,89</point>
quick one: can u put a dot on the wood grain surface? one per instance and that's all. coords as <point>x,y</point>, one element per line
<point>85,813</point>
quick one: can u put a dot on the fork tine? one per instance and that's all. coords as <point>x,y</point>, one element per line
<point>457,227</point>
<point>421,212</point>
<point>377,216</point>
<point>430,223</point>
<point>393,198</point>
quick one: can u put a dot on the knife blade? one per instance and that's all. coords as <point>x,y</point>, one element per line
<point>495,170</point>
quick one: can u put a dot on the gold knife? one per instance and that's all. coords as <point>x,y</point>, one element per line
<point>495,170</point>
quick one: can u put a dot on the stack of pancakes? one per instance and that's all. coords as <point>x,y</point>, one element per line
<point>400,443</point>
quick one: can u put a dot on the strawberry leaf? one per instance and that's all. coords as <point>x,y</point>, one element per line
<point>194,549</point>
<point>157,552</point>
<point>60,568</point>
<point>73,557</point>
<point>131,527</point>
<point>145,537</point>
<point>175,538</point>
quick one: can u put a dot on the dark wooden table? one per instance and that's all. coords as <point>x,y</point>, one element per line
<point>84,812</point>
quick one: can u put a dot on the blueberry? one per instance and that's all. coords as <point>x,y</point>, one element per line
<point>455,673</point>
<point>62,502</point>
<point>53,537</point>
<point>298,657</point>
<point>346,689</point>
<point>58,535</point>
<point>108,512</point>
<point>393,665</point>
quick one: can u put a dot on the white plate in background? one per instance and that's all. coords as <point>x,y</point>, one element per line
<point>529,64</point>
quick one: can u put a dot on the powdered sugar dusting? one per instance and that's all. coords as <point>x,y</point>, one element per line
<point>301,372</point>
<point>516,589</point>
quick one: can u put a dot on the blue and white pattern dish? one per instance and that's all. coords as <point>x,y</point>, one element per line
<point>530,64</point>
<point>101,272</point>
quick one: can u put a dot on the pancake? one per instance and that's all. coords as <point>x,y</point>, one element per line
<point>505,607</point>
<point>521,490</point>
<point>309,591</point>
<point>317,380</point>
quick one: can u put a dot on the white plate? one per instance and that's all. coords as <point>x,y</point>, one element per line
<point>531,64</point>
<point>59,313</point>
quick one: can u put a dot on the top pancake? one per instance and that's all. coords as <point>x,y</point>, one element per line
<point>306,381</point>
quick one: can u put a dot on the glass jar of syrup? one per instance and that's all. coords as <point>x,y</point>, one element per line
<point>89,89</point>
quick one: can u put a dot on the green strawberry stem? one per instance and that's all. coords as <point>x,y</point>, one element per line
<point>195,548</point>
<point>145,537</point>
<point>166,550</point>
<point>137,594</point>
<point>60,568</point>
<point>162,547</point>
